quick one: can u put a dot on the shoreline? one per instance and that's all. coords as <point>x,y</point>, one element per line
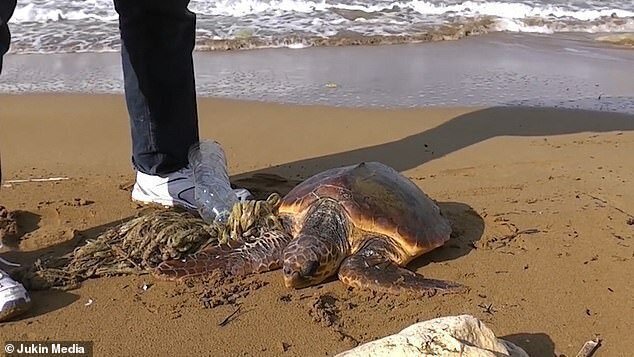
<point>486,70</point>
<point>607,40</point>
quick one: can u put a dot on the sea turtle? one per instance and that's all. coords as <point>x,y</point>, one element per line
<point>365,221</point>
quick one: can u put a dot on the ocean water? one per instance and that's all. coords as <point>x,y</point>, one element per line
<point>62,26</point>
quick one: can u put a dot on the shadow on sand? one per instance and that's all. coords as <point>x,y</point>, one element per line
<point>535,344</point>
<point>458,133</point>
<point>27,222</point>
<point>467,228</point>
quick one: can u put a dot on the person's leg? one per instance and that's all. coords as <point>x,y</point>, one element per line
<point>157,40</point>
<point>6,10</point>
<point>157,43</point>
<point>14,299</point>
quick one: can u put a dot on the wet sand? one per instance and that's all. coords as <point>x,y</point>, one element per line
<point>540,200</point>
<point>562,71</point>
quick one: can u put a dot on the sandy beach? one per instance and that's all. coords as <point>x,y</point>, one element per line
<point>539,200</point>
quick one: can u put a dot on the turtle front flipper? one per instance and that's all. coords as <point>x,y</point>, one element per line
<point>243,258</point>
<point>373,268</point>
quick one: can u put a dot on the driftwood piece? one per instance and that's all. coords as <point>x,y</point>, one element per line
<point>589,348</point>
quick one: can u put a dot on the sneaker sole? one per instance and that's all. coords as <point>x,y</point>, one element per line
<point>14,308</point>
<point>144,199</point>
<point>139,197</point>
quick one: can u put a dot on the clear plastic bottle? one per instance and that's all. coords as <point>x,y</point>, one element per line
<point>212,189</point>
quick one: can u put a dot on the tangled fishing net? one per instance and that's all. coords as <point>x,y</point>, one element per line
<point>139,245</point>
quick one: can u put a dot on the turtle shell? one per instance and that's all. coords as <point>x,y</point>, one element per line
<point>378,200</point>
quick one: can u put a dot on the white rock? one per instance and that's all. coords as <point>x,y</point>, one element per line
<point>463,336</point>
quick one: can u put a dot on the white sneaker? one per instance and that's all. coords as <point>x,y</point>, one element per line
<point>14,299</point>
<point>175,189</point>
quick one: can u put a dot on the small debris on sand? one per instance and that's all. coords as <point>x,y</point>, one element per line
<point>45,179</point>
<point>324,311</point>
<point>78,202</point>
<point>285,346</point>
<point>589,348</point>
<point>227,319</point>
<point>8,224</point>
<point>227,291</point>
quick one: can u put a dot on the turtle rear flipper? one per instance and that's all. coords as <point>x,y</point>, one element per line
<point>371,268</point>
<point>243,258</point>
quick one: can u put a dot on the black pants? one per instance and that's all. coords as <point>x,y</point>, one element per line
<point>6,10</point>
<point>157,43</point>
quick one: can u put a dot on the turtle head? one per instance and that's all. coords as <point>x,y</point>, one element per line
<point>309,260</point>
<point>321,245</point>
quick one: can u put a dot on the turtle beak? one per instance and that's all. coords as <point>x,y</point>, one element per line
<point>302,276</point>
<point>294,280</point>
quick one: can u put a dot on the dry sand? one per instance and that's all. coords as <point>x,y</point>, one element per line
<point>539,200</point>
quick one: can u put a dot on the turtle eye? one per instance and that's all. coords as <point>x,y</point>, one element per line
<point>310,268</point>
